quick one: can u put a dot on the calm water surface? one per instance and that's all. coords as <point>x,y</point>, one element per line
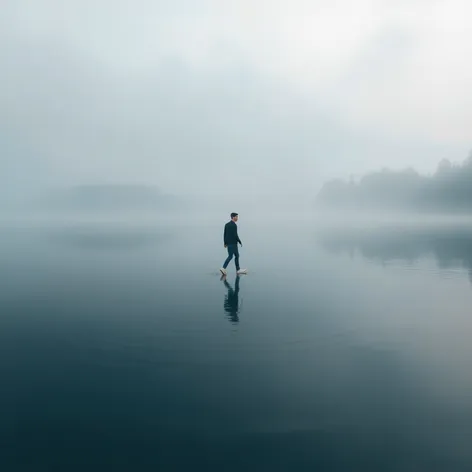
<point>122,349</point>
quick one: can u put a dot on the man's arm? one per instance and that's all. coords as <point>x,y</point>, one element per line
<point>237,237</point>
<point>224,236</point>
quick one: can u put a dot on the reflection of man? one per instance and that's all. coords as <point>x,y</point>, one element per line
<point>231,304</point>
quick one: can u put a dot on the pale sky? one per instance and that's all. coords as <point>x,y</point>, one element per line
<point>257,95</point>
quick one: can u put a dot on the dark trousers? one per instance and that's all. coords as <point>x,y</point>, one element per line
<point>232,251</point>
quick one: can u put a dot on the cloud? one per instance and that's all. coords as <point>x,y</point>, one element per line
<point>193,96</point>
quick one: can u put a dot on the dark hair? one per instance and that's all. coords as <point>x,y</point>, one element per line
<point>233,215</point>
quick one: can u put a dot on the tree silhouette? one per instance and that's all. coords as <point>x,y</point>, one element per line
<point>449,189</point>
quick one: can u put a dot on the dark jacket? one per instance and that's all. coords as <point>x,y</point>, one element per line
<point>231,234</point>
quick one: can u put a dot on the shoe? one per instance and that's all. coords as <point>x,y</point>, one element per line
<point>242,271</point>
<point>224,271</point>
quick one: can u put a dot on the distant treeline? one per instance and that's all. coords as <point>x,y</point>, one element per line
<point>109,198</point>
<point>448,189</point>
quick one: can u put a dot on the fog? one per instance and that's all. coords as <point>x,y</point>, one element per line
<point>341,134</point>
<point>219,108</point>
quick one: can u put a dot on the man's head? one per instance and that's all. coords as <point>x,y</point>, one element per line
<point>234,217</point>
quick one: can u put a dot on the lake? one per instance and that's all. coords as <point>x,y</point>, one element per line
<point>340,350</point>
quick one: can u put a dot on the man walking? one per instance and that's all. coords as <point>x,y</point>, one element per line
<point>231,240</point>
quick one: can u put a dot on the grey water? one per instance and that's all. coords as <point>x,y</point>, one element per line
<point>123,349</point>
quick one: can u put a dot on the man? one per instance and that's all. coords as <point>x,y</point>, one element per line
<point>231,240</point>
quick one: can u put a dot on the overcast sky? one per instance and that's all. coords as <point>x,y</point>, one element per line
<point>214,96</point>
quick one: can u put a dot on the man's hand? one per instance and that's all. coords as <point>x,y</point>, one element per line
<point>226,245</point>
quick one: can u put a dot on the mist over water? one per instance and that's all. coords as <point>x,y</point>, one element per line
<point>340,350</point>
<point>340,133</point>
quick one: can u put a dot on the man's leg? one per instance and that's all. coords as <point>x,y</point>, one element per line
<point>230,256</point>
<point>236,256</point>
